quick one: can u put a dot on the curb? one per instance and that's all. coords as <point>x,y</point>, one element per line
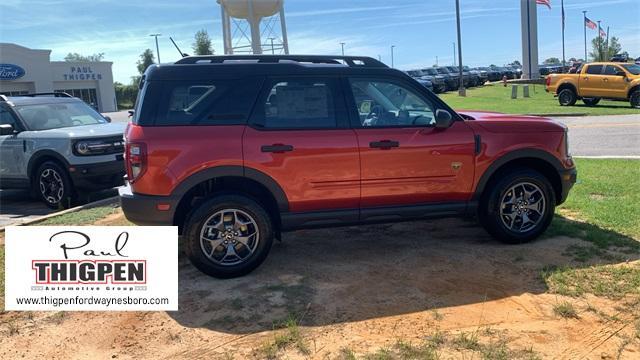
<point>107,201</point>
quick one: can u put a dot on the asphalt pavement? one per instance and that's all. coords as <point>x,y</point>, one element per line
<point>593,136</point>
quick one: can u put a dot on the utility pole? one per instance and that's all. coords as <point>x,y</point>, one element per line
<point>392,47</point>
<point>454,53</point>
<point>157,48</point>
<point>606,51</point>
<point>461,90</point>
<point>342,45</point>
<point>273,50</point>
<point>563,52</point>
<point>436,60</point>
<point>584,25</point>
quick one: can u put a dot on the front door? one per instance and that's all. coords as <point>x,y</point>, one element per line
<point>404,158</point>
<point>299,136</point>
<point>12,158</point>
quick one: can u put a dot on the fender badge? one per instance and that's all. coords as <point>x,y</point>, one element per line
<point>456,166</point>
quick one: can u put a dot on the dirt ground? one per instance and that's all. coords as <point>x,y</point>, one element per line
<point>353,290</point>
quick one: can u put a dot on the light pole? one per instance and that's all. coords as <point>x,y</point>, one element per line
<point>342,46</point>
<point>273,51</point>
<point>461,90</point>
<point>454,53</point>
<point>392,47</point>
<point>157,48</point>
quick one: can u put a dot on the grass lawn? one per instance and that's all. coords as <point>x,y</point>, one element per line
<point>498,98</point>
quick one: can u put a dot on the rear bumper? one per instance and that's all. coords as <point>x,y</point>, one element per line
<point>568,177</point>
<point>144,209</point>
<point>98,176</point>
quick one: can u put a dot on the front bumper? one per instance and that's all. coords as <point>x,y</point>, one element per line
<point>568,177</point>
<point>98,176</point>
<point>147,209</point>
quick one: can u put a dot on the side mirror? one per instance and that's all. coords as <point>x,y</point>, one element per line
<point>621,73</point>
<point>444,120</point>
<point>131,112</point>
<point>107,118</point>
<point>6,129</point>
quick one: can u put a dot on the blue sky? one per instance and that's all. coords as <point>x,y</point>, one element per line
<point>420,29</point>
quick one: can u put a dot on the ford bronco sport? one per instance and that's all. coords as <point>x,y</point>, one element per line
<point>234,150</point>
<point>57,146</point>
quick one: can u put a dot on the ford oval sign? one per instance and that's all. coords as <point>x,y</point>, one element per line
<point>10,72</point>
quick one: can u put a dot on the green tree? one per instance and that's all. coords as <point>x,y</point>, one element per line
<point>75,57</point>
<point>516,63</point>
<point>202,44</point>
<point>552,61</point>
<point>601,51</point>
<point>146,59</point>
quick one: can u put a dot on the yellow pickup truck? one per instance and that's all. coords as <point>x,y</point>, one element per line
<point>595,81</point>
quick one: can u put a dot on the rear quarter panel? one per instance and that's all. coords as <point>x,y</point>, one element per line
<point>176,152</point>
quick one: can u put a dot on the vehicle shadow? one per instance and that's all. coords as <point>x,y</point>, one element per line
<point>623,105</point>
<point>331,276</point>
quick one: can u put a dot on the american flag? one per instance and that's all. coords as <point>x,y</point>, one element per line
<point>603,33</point>
<point>544,2</point>
<point>590,24</point>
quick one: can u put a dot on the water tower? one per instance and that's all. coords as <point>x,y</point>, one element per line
<point>251,26</point>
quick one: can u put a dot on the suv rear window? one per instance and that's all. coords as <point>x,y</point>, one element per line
<point>215,102</point>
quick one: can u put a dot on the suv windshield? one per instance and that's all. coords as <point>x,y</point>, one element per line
<point>59,115</point>
<point>632,68</point>
<point>430,71</point>
<point>443,71</point>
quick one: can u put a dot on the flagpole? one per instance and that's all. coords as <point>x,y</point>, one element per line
<point>584,24</point>
<point>563,54</point>
<point>607,45</point>
<point>599,42</point>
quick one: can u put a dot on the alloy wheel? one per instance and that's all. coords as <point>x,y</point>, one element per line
<point>51,186</point>
<point>522,207</point>
<point>229,237</point>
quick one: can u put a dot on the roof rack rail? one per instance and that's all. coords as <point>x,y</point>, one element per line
<point>55,94</point>
<point>353,61</point>
<point>3,98</point>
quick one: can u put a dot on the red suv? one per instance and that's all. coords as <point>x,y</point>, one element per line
<point>237,149</point>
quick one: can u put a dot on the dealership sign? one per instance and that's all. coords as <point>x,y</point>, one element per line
<point>91,268</point>
<point>11,72</point>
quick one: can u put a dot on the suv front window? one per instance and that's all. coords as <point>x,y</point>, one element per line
<point>383,104</point>
<point>59,115</point>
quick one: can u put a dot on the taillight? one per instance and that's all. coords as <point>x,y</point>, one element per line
<point>548,81</point>
<point>136,158</point>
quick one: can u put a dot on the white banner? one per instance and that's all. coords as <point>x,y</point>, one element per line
<point>101,268</point>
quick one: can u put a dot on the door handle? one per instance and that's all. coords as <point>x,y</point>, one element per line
<point>276,148</point>
<point>605,79</point>
<point>586,78</point>
<point>384,144</point>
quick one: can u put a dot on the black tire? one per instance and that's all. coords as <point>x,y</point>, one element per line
<point>591,101</point>
<point>634,99</point>
<point>567,97</point>
<point>198,218</point>
<point>53,186</point>
<point>492,203</point>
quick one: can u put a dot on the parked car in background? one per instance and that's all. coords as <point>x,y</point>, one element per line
<point>504,72</point>
<point>595,81</point>
<point>492,74</point>
<point>466,76</point>
<point>452,80</point>
<point>57,146</point>
<point>439,81</point>
<point>479,77</point>
<point>620,58</point>
<point>517,71</point>
<point>246,150</point>
<point>436,85</point>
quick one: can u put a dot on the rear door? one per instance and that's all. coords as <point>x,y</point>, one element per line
<point>591,81</point>
<point>299,135</point>
<point>404,158</point>
<point>614,85</point>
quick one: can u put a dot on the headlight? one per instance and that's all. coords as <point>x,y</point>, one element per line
<point>566,142</point>
<point>99,147</point>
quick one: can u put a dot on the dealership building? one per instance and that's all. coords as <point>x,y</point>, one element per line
<point>26,71</point>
